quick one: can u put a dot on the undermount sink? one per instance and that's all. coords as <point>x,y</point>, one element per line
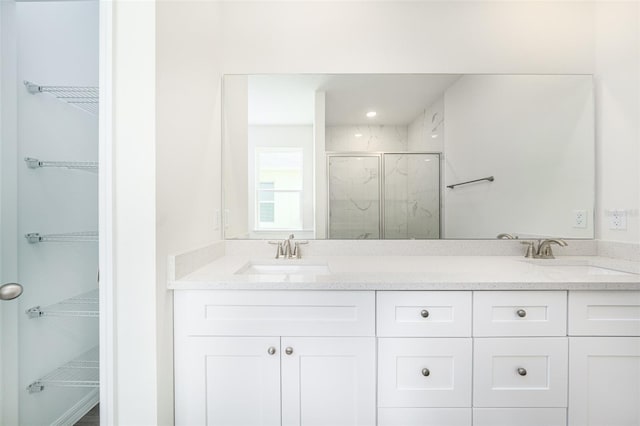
<point>584,269</point>
<point>284,268</point>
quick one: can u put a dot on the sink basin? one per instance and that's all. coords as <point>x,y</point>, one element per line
<point>284,268</point>
<point>593,270</point>
<point>584,269</point>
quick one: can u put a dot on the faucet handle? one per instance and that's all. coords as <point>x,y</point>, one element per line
<point>279,249</point>
<point>296,249</point>
<point>530,248</point>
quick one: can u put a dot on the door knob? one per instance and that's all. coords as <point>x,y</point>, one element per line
<point>271,350</point>
<point>10,291</point>
<point>521,313</point>
<point>424,313</point>
<point>288,350</point>
<point>522,371</point>
<point>426,372</point>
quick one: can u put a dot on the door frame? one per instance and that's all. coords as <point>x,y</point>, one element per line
<point>8,212</point>
<point>105,218</point>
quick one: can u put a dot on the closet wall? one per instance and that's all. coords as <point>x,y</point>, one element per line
<point>57,44</point>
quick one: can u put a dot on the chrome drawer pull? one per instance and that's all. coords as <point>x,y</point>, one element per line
<point>426,372</point>
<point>271,350</point>
<point>521,313</point>
<point>522,371</point>
<point>288,350</point>
<point>424,313</point>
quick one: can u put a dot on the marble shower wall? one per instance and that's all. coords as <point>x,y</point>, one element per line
<point>370,139</point>
<point>354,197</point>
<point>412,196</point>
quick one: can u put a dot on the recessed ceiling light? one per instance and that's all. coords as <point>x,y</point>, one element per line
<point>358,135</point>
<point>371,114</point>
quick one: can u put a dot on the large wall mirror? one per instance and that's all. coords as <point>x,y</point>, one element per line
<point>408,156</point>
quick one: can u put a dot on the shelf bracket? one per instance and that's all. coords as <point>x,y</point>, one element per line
<point>32,87</point>
<point>34,312</point>
<point>35,387</point>
<point>33,237</point>
<point>33,163</point>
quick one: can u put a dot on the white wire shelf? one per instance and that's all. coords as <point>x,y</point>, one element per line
<point>83,372</point>
<point>82,305</point>
<point>71,237</point>
<point>83,97</point>
<point>34,163</point>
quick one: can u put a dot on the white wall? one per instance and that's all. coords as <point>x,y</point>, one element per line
<point>534,134</point>
<point>188,169</point>
<point>617,79</point>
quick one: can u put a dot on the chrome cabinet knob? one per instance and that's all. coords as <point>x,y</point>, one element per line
<point>426,372</point>
<point>424,313</point>
<point>10,291</point>
<point>271,350</point>
<point>522,371</point>
<point>521,313</point>
<point>288,350</point>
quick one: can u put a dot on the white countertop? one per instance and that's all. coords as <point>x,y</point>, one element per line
<point>421,273</point>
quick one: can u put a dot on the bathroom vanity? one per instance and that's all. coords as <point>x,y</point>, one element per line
<point>418,340</point>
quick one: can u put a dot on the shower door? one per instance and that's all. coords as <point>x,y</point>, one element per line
<point>411,188</point>
<point>354,196</point>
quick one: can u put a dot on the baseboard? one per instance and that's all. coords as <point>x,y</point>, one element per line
<point>78,411</point>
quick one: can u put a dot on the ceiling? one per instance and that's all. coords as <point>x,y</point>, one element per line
<point>397,98</point>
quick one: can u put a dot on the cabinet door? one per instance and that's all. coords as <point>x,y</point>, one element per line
<point>328,381</point>
<point>228,381</point>
<point>604,381</point>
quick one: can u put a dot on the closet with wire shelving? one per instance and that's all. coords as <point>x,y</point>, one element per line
<point>55,86</point>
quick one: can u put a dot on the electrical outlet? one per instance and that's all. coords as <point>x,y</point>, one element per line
<point>580,219</point>
<point>618,219</point>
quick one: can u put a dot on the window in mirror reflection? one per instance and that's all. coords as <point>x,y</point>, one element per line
<point>278,188</point>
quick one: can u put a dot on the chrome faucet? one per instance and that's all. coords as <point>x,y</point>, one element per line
<point>285,250</point>
<point>543,251</point>
<point>505,236</point>
<point>544,248</point>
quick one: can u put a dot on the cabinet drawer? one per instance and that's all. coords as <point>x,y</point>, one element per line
<point>424,417</point>
<point>424,372</point>
<point>604,313</point>
<point>275,313</point>
<point>519,416</point>
<point>519,313</point>
<point>424,313</point>
<point>520,372</point>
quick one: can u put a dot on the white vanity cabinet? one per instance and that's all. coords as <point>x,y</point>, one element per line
<point>289,358</point>
<point>407,358</point>
<point>604,363</point>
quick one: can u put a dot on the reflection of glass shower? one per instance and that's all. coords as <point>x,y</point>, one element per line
<point>402,202</point>
<point>354,196</point>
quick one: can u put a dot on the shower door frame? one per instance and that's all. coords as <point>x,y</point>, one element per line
<point>381,181</point>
